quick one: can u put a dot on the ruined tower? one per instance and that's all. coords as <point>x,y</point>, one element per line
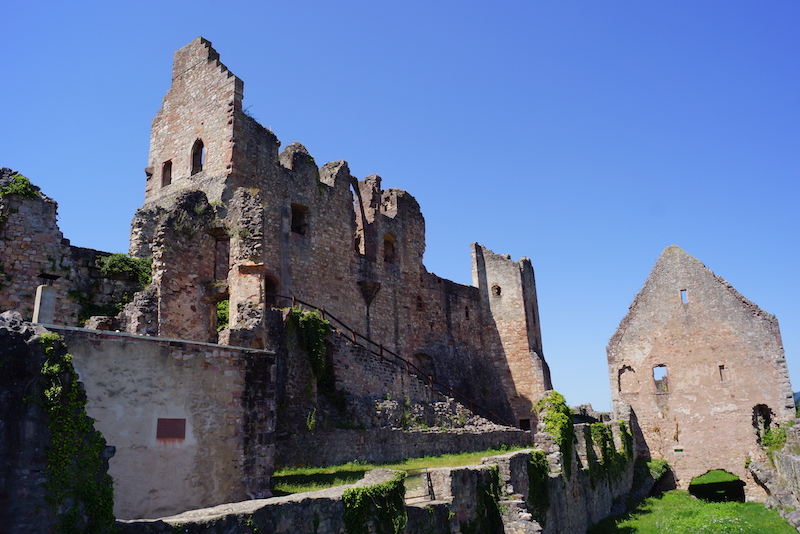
<point>703,369</point>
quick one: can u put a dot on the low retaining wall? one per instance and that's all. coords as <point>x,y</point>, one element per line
<point>331,447</point>
<point>478,498</point>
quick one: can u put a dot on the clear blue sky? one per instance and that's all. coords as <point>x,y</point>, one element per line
<point>587,136</point>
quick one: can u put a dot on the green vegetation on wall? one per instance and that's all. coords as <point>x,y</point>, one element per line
<point>223,314</point>
<point>539,486</point>
<point>115,266</point>
<point>488,518</point>
<point>21,186</point>
<point>382,506</point>
<point>77,486</point>
<point>611,463</point>
<point>312,333</point>
<point>557,417</point>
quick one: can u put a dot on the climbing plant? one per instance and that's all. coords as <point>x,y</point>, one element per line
<point>538,486</point>
<point>312,333</point>
<point>77,486</point>
<point>488,517</point>
<point>382,505</point>
<point>557,417</point>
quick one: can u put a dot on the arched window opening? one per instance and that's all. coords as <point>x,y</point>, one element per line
<point>166,173</point>
<point>389,249</point>
<point>762,421</point>
<point>660,379</point>
<point>270,291</point>
<point>626,379</point>
<point>300,217</point>
<point>496,291</point>
<point>198,156</point>
<point>718,486</point>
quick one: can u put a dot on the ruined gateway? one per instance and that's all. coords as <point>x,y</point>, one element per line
<point>703,369</point>
<point>227,217</point>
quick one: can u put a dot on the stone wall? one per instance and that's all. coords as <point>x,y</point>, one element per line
<point>31,244</point>
<point>481,498</point>
<point>724,370</point>
<point>193,423</point>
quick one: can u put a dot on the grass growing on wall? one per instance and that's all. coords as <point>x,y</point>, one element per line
<point>21,186</point>
<point>381,506</point>
<point>302,479</point>
<point>676,512</point>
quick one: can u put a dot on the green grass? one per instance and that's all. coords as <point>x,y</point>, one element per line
<point>714,477</point>
<point>302,479</point>
<point>676,512</point>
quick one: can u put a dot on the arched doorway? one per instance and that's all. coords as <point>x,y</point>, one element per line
<point>718,485</point>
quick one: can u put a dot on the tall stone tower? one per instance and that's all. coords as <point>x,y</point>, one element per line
<point>703,369</point>
<point>508,294</point>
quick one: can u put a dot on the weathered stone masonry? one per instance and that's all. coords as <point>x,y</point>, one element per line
<point>228,217</point>
<point>702,367</point>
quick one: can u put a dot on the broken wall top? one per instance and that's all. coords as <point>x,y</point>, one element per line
<point>680,283</point>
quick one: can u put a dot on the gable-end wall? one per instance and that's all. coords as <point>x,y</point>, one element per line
<point>723,356</point>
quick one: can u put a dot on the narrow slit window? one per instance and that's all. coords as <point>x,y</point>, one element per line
<point>466,313</point>
<point>723,373</point>
<point>660,379</point>
<point>684,296</point>
<point>389,248</point>
<point>166,173</point>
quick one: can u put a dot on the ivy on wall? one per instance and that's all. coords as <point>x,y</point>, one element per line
<point>78,488</point>
<point>538,486</point>
<point>611,463</point>
<point>557,417</point>
<point>381,507</point>
<point>488,517</point>
<point>312,334</point>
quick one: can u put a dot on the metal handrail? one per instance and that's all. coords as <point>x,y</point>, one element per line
<point>398,361</point>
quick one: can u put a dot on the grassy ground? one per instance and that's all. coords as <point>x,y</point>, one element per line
<point>676,512</point>
<point>302,479</point>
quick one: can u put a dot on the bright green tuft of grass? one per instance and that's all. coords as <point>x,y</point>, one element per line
<point>677,512</point>
<point>302,479</point>
<point>714,477</point>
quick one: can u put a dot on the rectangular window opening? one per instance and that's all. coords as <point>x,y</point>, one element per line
<point>300,216</point>
<point>660,379</point>
<point>524,424</point>
<point>684,296</point>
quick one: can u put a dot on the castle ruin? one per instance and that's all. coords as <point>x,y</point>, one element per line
<point>703,369</point>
